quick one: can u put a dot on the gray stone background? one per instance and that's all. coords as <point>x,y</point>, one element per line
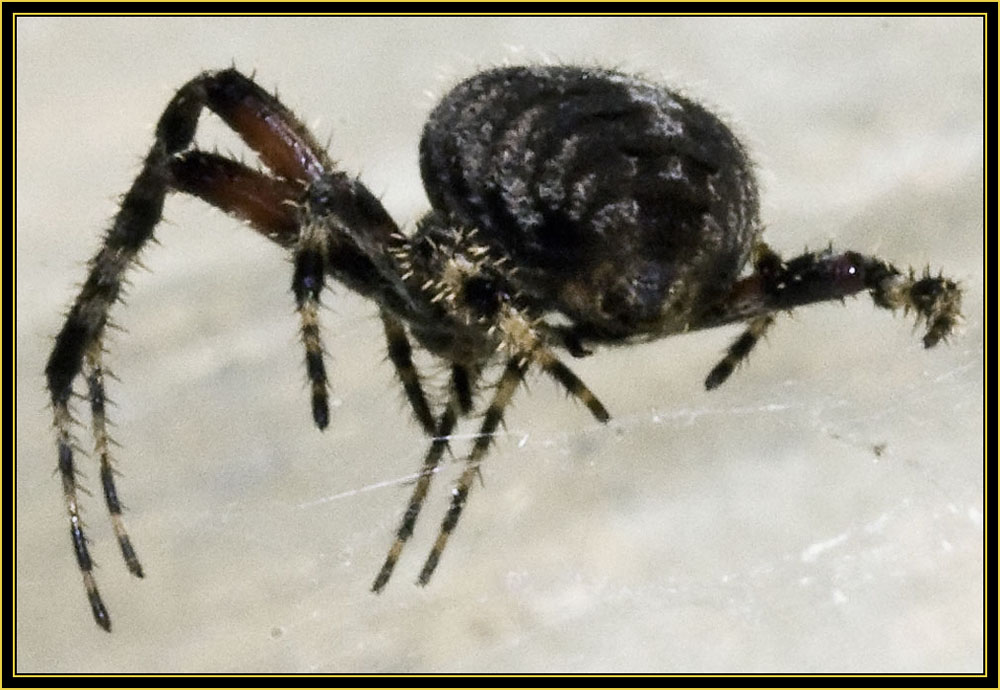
<point>820,512</point>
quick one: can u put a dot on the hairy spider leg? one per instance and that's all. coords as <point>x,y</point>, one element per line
<point>738,351</point>
<point>767,264</point>
<point>94,373</point>
<point>510,379</point>
<point>401,355</point>
<point>528,348</point>
<point>460,389</point>
<point>83,330</point>
<point>307,284</point>
<point>286,147</point>
<point>274,207</point>
<point>571,382</point>
<point>824,276</point>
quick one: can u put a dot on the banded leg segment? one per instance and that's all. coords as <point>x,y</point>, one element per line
<point>102,442</point>
<point>83,332</point>
<point>282,143</point>
<point>738,351</point>
<point>67,470</point>
<point>445,426</point>
<point>572,383</point>
<point>307,284</point>
<point>525,341</point>
<point>401,356</point>
<point>527,347</point>
<point>511,378</point>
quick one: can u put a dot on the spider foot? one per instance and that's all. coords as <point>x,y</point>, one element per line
<point>936,300</point>
<point>101,616</point>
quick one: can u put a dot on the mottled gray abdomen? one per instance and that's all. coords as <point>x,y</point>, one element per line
<point>622,202</point>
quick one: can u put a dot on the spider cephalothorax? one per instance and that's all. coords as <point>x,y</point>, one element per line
<point>569,206</point>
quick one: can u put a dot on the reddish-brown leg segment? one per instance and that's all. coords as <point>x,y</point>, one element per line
<point>278,206</point>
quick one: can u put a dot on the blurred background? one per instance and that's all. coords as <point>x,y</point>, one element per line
<point>821,512</point>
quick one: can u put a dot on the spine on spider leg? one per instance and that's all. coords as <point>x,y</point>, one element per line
<point>307,284</point>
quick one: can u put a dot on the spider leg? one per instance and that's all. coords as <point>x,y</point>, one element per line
<point>94,373</point>
<point>307,284</point>
<point>287,148</point>
<point>401,354</point>
<point>268,127</point>
<point>528,348</point>
<point>267,204</point>
<point>331,228</point>
<point>509,381</point>
<point>445,425</point>
<point>83,329</point>
<point>824,276</point>
<point>462,380</point>
<point>523,338</point>
<point>270,204</point>
<point>571,382</point>
<point>738,351</point>
<point>768,267</point>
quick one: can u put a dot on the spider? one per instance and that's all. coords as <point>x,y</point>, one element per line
<point>570,208</point>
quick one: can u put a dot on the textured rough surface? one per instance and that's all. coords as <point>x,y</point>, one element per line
<point>618,199</point>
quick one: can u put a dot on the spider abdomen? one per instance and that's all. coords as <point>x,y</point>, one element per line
<point>609,192</point>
